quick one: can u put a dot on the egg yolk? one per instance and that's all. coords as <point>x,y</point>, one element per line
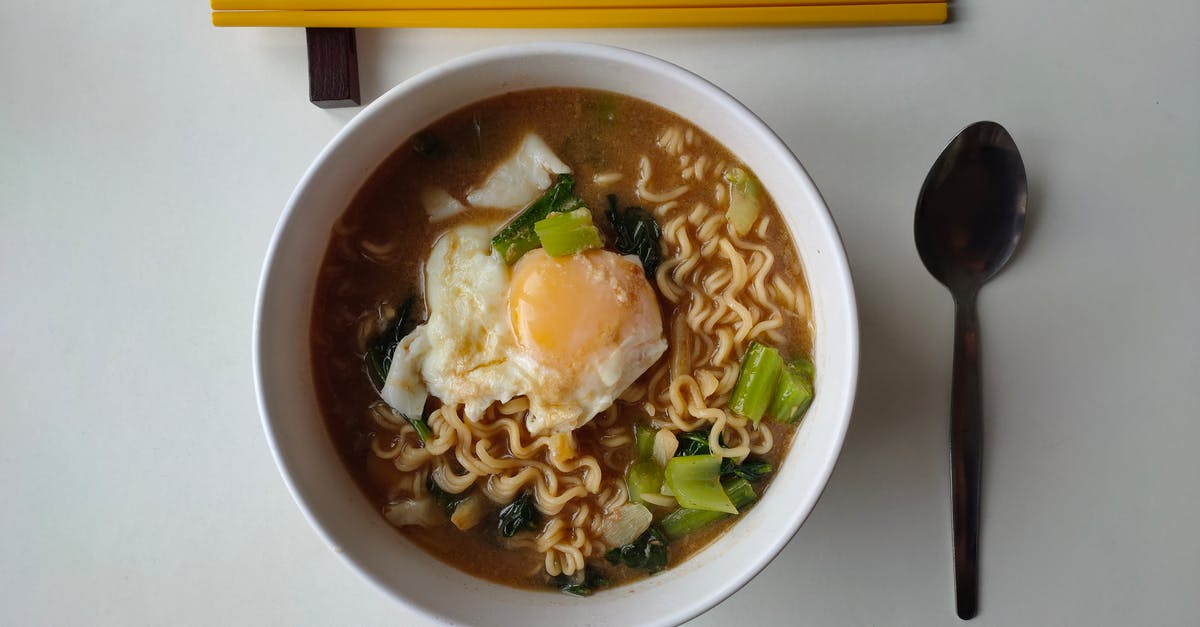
<point>573,310</point>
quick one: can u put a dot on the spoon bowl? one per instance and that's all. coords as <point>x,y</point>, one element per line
<point>971,211</point>
<point>970,216</point>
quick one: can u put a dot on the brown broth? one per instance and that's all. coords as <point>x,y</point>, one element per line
<point>589,130</point>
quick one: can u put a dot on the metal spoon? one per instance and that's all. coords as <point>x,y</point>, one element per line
<point>969,219</point>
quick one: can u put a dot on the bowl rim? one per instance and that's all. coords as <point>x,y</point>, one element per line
<point>700,603</point>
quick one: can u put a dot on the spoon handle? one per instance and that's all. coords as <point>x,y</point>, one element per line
<point>966,444</point>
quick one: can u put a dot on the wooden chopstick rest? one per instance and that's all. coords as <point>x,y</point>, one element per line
<point>332,67</point>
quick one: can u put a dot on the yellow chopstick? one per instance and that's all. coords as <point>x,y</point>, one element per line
<point>408,5</point>
<point>824,15</point>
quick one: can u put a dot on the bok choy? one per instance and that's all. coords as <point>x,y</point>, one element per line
<point>637,233</point>
<point>756,380</point>
<point>744,200</point>
<point>518,236</point>
<point>695,482</point>
<point>683,521</point>
<point>563,234</point>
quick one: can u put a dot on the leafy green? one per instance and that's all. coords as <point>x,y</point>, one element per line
<point>520,515</point>
<point>793,392</point>
<point>425,143</point>
<point>648,552</point>
<point>696,443</point>
<point>804,367</point>
<point>643,436</point>
<point>744,201</point>
<point>637,233</point>
<point>422,428</point>
<point>381,349</point>
<point>563,234</point>
<point>643,477</point>
<point>575,586</point>
<point>693,443</point>
<point>518,237</point>
<point>445,500</point>
<point>750,470</point>
<point>756,381</point>
<point>380,352</point>
<point>684,521</point>
<point>695,480</point>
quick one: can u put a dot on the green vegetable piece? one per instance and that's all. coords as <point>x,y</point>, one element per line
<point>693,443</point>
<point>422,427</point>
<point>804,367</point>
<point>756,381</point>
<point>793,393</point>
<point>643,436</point>
<point>425,144</point>
<point>381,349</point>
<point>648,552</point>
<point>606,108</point>
<point>519,515</point>
<point>575,586</point>
<point>379,357</point>
<point>695,481</point>
<point>518,237</point>
<point>445,500</point>
<point>643,477</point>
<point>750,470</point>
<point>637,233</point>
<point>744,200</point>
<point>563,234</point>
<point>684,521</point>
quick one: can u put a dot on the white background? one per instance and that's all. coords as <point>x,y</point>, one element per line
<point>145,157</point>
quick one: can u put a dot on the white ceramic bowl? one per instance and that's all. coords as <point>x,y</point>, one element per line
<point>306,457</point>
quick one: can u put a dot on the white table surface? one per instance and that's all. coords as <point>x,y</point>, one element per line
<point>145,157</point>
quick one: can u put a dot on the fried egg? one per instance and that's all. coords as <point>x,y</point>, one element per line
<point>568,333</point>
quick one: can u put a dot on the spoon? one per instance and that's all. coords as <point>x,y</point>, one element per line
<point>970,215</point>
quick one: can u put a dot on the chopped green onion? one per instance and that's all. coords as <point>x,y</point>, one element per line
<point>756,381</point>
<point>695,482</point>
<point>518,237</point>
<point>563,234</point>
<point>744,201</point>
<point>684,521</point>
<point>793,393</point>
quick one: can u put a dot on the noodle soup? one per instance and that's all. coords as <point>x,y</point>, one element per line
<point>560,339</point>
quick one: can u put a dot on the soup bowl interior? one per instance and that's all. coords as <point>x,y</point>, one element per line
<point>295,429</point>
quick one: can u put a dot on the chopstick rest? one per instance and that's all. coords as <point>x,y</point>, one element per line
<point>332,67</point>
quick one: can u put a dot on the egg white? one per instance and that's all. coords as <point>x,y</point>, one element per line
<point>467,353</point>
